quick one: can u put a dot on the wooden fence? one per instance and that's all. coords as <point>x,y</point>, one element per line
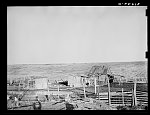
<point>124,98</point>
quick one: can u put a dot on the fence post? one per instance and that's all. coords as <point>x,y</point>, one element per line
<point>109,101</point>
<point>95,84</point>
<point>58,90</point>
<point>28,101</point>
<point>122,97</point>
<point>98,88</point>
<point>84,91</point>
<point>132,103</point>
<point>84,88</point>
<point>48,89</point>
<point>135,99</point>
<point>19,87</point>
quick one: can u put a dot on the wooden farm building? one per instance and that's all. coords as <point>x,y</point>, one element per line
<point>38,83</point>
<point>74,81</point>
<point>79,80</point>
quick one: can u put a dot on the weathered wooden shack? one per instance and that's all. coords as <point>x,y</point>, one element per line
<point>80,80</point>
<point>38,83</point>
<point>75,81</point>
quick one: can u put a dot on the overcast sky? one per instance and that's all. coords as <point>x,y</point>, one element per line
<point>44,35</point>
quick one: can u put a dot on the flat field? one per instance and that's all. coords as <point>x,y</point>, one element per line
<point>63,71</point>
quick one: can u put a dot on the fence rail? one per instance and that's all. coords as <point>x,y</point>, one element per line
<point>118,99</point>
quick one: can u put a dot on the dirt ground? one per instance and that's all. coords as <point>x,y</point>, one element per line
<point>85,104</point>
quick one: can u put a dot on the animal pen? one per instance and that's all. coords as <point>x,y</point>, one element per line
<point>99,78</point>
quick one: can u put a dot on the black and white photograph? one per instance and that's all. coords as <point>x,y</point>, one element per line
<point>77,58</point>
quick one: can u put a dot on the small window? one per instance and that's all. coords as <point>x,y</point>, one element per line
<point>31,84</point>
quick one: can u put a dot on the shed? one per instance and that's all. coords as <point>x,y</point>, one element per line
<point>41,83</point>
<point>38,83</point>
<point>74,81</point>
<point>78,81</point>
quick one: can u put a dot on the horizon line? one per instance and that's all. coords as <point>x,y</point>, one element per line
<point>74,63</point>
